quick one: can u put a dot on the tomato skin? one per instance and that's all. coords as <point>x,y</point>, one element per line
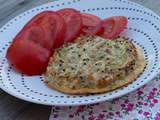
<point>113,26</point>
<point>50,25</point>
<point>124,21</point>
<point>73,22</point>
<point>109,29</point>
<point>54,27</point>
<point>23,60</point>
<point>35,34</point>
<point>92,25</point>
<point>32,47</point>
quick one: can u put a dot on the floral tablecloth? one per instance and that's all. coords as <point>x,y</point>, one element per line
<point>142,104</point>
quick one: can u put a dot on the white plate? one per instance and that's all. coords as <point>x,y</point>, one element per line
<point>143,29</point>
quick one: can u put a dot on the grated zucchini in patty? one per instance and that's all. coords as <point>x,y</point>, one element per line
<point>91,62</point>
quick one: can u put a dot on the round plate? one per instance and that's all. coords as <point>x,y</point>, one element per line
<point>143,29</point>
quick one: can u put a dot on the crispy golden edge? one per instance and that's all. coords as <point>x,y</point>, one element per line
<point>140,64</point>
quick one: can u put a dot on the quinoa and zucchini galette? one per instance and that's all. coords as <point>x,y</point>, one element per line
<point>94,65</point>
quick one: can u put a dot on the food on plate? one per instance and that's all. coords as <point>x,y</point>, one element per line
<point>81,52</point>
<point>113,26</point>
<point>49,32</point>
<point>28,57</point>
<point>33,46</point>
<point>93,64</point>
<point>92,25</point>
<point>73,22</point>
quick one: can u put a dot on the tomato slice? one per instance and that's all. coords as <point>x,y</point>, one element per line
<point>54,28</point>
<point>28,57</point>
<point>123,23</point>
<point>33,45</point>
<point>35,34</point>
<point>48,27</point>
<point>92,24</point>
<point>113,26</point>
<point>73,23</point>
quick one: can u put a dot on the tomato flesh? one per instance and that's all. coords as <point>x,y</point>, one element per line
<point>34,44</point>
<point>73,22</point>
<point>123,23</point>
<point>113,26</point>
<point>92,25</point>
<point>29,62</point>
<point>53,26</point>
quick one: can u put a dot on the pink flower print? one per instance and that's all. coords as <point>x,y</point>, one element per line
<point>157,116</point>
<point>90,113</point>
<point>122,105</point>
<point>154,101</point>
<point>140,92</point>
<point>80,109</point>
<point>138,89</point>
<point>146,114</point>
<point>91,118</point>
<point>151,95</point>
<point>151,105</point>
<point>154,89</point>
<point>144,86</point>
<point>99,119</point>
<point>71,115</point>
<point>101,116</point>
<point>111,113</point>
<point>129,107</point>
<point>140,111</point>
<point>145,104</point>
<point>140,103</point>
<point>126,101</point>
<point>117,113</point>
